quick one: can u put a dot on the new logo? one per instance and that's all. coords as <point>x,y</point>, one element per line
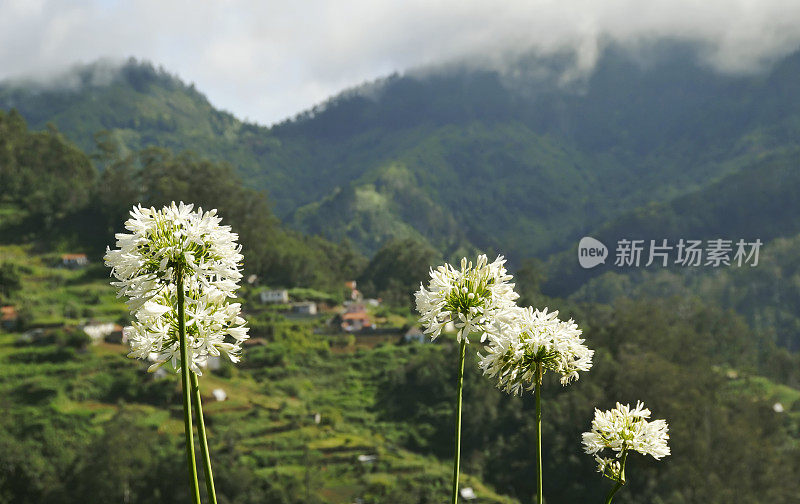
<point>591,252</point>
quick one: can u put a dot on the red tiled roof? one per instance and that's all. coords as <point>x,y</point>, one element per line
<point>8,313</point>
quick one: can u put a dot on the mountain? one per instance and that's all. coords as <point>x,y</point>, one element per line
<point>524,162</point>
<point>757,202</point>
<point>650,145</point>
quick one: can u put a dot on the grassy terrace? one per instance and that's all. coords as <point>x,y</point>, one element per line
<point>268,422</point>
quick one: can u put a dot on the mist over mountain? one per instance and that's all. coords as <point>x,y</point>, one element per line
<point>523,160</point>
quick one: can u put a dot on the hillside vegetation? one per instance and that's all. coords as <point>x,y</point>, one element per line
<point>462,158</point>
<point>376,186</point>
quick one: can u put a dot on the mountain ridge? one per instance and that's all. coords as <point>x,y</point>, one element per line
<point>554,162</point>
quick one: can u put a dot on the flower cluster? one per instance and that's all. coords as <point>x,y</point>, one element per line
<point>527,337</point>
<point>171,247</point>
<point>609,467</point>
<point>471,297</point>
<point>623,429</point>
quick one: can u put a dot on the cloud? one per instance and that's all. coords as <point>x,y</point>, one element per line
<point>269,60</point>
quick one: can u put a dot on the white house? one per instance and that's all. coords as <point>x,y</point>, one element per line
<point>74,260</point>
<point>274,296</point>
<point>98,331</point>
<point>305,308</point>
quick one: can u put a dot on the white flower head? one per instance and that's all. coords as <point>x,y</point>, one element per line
<point>470,297</point>
<point>523,338</point>
<point>162,245</point>
<point>622,429</point>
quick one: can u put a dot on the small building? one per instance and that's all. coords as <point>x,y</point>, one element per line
<point>74,261</point>
<point>9,318</point>
<point>98,331</point>
<point>355,318</point>
<point>280,296</point>
<point>414,335</point>
<point>355,321</point>
<point>467,493</point>
<point>305,308</point>
<point>117,336</point>
<point>367,459</point>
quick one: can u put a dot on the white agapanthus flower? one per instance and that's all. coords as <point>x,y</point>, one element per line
<point>162,245</point>
<point>524,337</point>
<point>622,429</point>
<point>470,297</point>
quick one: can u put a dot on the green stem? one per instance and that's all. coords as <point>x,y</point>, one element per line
<point>187,401</point>
<point>538,395</point>
<point>457,457</point>
<point>201,431</point>
<point>621,480</point>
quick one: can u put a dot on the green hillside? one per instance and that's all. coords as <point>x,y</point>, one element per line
<point>52,195</point>
<point>520,163</point>
<point>711,352</point>
<point>84,424</point>
<point>757,201</point>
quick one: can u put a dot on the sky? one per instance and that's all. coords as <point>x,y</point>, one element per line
<point>266,61</point>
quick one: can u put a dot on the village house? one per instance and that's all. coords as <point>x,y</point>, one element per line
<point>74,261</point>
<point>280,296</point>
<point>305,308</point>
<point>355,318</point>
<point>117,336</point>
<point>103,331</point>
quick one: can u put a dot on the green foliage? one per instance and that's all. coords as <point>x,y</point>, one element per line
<point>767,296</point>
<point>528,281</point>
<point>63,203</point>
<point>758,202</point>
<point>41,172</point>
<point>9,280</point>
<point>395,271</point>
<point>156,177</point>
<point>140,468</point>
<point>305,294</point>
<point>460,158</point>
<point>665,353</point>
<point>430,165</point>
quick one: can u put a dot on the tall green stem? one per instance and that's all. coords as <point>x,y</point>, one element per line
<point>187,401</point>
<point>201,431</point>
<point>538,395</point>
<point>621,480</point>
<point>457,456</point>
